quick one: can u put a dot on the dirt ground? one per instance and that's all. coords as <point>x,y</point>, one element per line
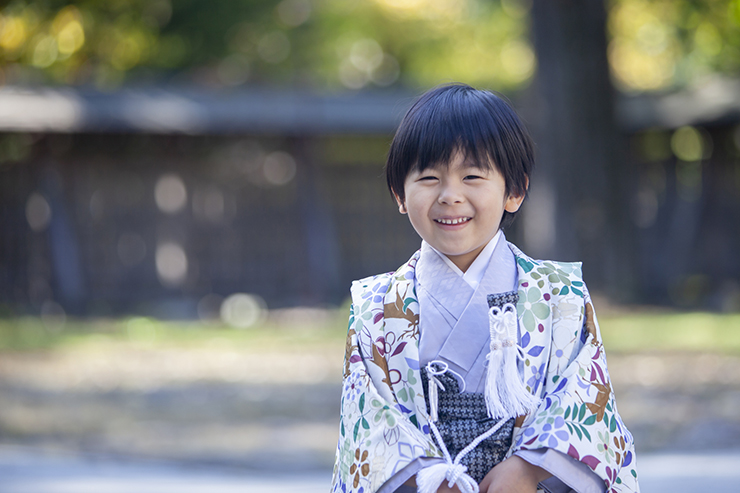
<point>278,410</point>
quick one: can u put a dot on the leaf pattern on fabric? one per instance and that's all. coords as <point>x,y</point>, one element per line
<point>384,423</point>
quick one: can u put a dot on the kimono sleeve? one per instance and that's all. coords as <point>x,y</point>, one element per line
<point>578,413</point>
<point>376,438</point>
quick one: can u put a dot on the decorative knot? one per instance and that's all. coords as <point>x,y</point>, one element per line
<point>454,471</point>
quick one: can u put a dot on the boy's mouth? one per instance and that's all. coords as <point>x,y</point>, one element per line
<point>457,220</point>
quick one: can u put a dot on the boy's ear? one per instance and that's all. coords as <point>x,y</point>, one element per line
<point>401,204</point>
<point>513,202</point>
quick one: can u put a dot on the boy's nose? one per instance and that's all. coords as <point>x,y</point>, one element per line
<point>450,194</point>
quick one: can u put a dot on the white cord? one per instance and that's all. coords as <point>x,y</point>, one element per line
<point>430,478</point>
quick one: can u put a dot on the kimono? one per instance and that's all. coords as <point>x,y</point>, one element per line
<point>384,425</point>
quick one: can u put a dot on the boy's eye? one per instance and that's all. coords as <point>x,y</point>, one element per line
<point>473,177</point>
<point>427,178</point>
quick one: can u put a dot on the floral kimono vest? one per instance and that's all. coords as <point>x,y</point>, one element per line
<point>384,419</point>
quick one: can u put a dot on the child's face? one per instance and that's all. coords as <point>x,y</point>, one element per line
<point>457,209</point>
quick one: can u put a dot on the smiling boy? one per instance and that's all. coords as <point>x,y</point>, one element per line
<point>474,367</point>
<point>457,208</point>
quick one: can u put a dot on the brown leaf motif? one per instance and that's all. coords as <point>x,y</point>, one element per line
<point>395,310</point>
<point>380,361</point>
<point>591,324</point>
<point>348,350</point>
<point>602,398</point>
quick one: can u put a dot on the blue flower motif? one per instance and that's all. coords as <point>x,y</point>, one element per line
<point>353,386</point>
<point>536,378</point>
<point>554,431</point>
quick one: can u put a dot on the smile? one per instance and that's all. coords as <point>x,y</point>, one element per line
<point>458,220</point>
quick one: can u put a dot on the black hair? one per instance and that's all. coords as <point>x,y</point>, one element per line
<point>459,117</point>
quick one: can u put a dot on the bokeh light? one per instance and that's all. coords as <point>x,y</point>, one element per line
<point>241,310</point>
<point>294,12</point>
<point>172,264</point>
<point>38,212</point>
<point>274,47</point>
<point>170,194</point>
<point>688,144</point>
<point>279,168</point>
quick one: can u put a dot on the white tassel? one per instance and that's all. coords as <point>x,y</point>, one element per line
<point>429,479</point>
<point>505,393</point>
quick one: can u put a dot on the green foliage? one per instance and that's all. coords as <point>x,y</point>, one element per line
<point>32,333</point>
<point>672,332</point>
<point>331,44</point>
<point>320,43</point>
<point>658,44</point>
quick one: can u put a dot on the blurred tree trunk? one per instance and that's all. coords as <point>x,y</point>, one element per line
<point>579,196</point>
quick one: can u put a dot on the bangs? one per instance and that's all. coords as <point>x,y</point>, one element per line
<point>438,150</point>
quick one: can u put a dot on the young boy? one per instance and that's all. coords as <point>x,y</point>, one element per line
<point>474,367</point>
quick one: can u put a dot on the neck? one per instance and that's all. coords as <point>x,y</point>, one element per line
<point>464,261</point>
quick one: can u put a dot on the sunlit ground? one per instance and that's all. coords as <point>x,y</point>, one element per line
<point>268,396</point>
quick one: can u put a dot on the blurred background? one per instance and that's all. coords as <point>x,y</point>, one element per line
<point>188,187</point>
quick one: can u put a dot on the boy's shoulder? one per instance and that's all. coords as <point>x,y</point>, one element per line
<point>552,269</point>
<point>379,284</point>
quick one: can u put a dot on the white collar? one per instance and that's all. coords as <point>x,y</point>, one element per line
<point>477,269</point>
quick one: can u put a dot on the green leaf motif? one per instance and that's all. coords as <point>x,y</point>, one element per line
<point>590,420</point>
<point>582,413</point>
<point>357,430</point>
<point>564,291</point>
<point>585,432</point>
<point>567,414</point>
<point>406,303</point>
<point>527,266</point>
<point>410,377</point>
<point>578,432</point>
<point>402,395</point>
<point>613,426</point>
<point>362,402</point>
<point>365,424</point>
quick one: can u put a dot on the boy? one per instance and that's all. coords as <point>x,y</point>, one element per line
<point>474,366</point>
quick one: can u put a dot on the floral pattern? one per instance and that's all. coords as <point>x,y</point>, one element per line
<point>384,422</point>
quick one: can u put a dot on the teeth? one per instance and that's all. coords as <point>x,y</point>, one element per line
<point>453,221</point>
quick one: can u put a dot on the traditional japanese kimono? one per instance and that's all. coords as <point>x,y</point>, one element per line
<point>426,311</point>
